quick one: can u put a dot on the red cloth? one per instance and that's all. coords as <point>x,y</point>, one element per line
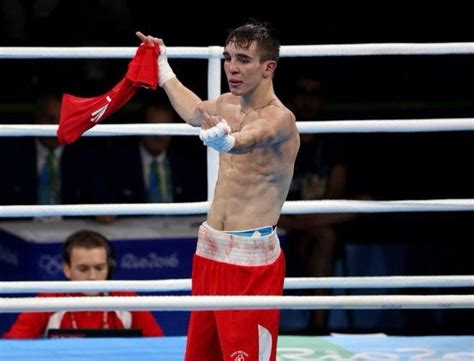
<point>33,324</point>
<point>81,114</point>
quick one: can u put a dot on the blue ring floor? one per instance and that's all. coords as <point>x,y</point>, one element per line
<point>340,347</point>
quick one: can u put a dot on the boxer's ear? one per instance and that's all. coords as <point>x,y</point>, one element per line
<point>269,68</point>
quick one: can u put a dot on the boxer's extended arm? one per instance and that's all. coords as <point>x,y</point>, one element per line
<point>259,133</point>
<point>275,128</point>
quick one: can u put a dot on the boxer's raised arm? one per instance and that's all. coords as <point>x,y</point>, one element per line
<point>183,100</point>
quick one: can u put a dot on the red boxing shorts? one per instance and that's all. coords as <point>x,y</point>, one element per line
<point>80,114</point>
<point>226,264</point>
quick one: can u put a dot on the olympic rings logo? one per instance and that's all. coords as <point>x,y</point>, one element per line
<point>51,264</point>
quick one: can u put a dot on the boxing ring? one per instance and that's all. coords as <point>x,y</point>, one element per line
<point>336,347</point>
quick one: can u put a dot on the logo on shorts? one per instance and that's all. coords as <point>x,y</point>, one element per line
<point>239,355</point>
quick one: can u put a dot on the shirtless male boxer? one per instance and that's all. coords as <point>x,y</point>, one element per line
<point>238,251</point>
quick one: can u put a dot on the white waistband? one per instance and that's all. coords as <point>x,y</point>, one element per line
<point>233,249</point>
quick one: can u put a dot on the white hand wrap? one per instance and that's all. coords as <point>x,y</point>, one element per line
<point>218,137</point>
<point>165,72</point>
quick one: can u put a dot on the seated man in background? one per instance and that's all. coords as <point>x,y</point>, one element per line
<point>88,256</point>
<point>155,168</point>
<point>39,170</point>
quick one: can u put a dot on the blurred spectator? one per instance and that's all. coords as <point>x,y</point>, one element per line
<point>37,21</point>
<point>156,169</point>
<point>38,170</point>
<point>13,22</point>
<point>321,172</point>
<point>87,256</point>
<point>96,19</point>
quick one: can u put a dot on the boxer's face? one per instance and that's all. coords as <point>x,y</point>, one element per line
<point>243,68</point>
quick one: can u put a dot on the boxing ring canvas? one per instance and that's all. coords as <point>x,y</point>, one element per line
<point>354,347</point>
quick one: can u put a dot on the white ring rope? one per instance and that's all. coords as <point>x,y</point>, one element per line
<point>101,130</point>
<point>216,51</point>
<point>290,283</point>
<point>186,303</point>
<point>104,209</point>
<point>290,207</point>
<point>98,52</point>
<point>377,49</point>
<point>387,126</point>
<point>354,206</point>
<point>333,126</point>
